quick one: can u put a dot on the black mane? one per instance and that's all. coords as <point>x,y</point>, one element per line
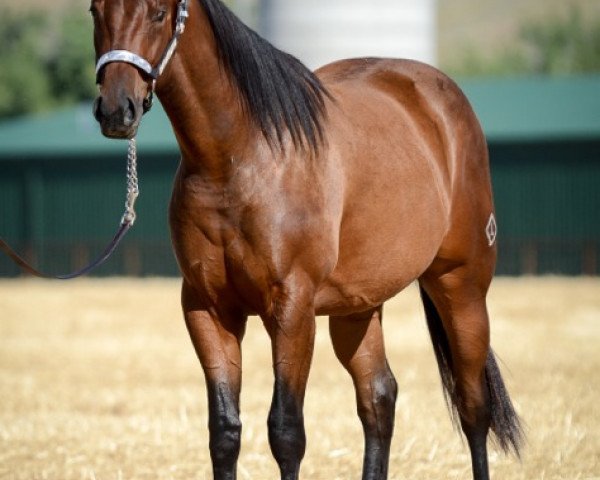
<point>278,92</point>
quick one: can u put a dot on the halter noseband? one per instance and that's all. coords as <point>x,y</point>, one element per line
<point>125,56</point>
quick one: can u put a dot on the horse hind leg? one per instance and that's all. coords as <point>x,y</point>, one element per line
<point>458,323</point>
<point>358,344</point>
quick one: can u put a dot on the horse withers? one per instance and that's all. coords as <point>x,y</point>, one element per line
<point>302,194</point>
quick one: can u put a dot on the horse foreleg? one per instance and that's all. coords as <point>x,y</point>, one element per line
<point>358,344</point>
<point>291,326</point>
<point>217,339</point>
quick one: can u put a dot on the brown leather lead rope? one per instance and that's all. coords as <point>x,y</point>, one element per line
<point>108,251</point>
<point>126,223</point>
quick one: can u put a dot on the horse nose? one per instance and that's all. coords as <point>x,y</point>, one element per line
<point>122,114</point>
<point>129,113</point>
<point>97,110</point>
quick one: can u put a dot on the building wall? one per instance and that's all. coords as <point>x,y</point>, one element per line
<point>319,32</point>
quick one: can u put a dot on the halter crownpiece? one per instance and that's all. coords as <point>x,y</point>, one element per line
<point>125,56</point>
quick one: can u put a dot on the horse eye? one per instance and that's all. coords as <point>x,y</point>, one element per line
<point>160,15</point>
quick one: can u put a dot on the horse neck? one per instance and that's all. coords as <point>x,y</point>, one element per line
<point>201,102</point>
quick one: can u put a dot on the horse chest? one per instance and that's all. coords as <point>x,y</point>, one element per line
<point>215,255</point>
<point>238,255</point>
<point>240,239</point>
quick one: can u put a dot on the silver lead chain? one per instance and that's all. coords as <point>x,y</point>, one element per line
<point>133,190</point>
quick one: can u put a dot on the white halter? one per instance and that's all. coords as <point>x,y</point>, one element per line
<point>126,56</point>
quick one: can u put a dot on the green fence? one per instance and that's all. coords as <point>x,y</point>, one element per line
<point>61,212</point>
<point>548,204</point>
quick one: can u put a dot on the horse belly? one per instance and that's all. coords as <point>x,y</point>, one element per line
<point>395,216</point>
<point>381,260</point>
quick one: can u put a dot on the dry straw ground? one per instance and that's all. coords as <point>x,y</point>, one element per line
<point>98,381</point>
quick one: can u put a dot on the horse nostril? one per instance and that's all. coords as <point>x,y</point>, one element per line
<point>129,113</point>
<point>96,110</point>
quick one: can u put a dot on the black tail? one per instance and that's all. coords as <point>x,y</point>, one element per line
<point>505,423</point>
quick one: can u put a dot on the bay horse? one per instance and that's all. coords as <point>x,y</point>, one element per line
<point>301,194</point>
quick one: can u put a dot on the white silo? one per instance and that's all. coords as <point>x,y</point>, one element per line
<point>320,31</point>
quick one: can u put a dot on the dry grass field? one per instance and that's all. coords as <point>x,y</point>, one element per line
<point>98,381</point>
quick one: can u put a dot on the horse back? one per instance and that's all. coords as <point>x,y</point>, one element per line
<point>428,107</point>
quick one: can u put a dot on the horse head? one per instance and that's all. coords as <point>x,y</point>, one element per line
<point>133,42</point>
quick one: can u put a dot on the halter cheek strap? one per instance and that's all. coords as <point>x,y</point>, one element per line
<point>125,56</point>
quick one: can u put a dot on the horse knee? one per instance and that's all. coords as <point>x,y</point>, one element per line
<point>377,411</point>
<point>225,438</point>
<point>286,432</point>
<point>224,426</point>
<point>287,436</point>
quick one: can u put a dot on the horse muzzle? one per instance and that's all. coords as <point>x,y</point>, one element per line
<point>120,119</point>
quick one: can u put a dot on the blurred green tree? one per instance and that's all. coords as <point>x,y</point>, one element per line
<point>70,65</point>
<point>559,46</point>
<point>46,61</point>
<point>24,84</point>
<point>564,45</point>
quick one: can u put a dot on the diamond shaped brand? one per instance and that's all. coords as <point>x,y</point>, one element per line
<point>491,230</point>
